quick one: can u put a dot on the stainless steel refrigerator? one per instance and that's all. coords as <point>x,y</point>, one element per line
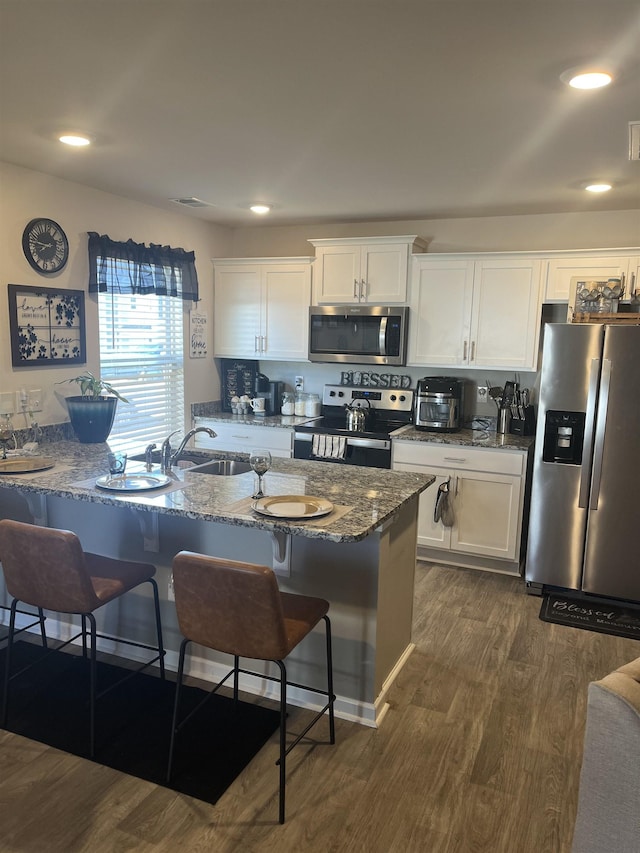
<point>584,525</point>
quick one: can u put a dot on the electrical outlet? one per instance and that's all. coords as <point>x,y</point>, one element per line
<point>7,405</point>
<point>22,398</point>
<point>34,400</point>
<point>299,383</point>
<point>482,394</point>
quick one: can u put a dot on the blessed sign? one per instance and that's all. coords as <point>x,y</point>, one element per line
<point>371,379</point>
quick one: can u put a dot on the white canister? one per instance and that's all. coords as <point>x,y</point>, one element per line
<point>288,404</point>
<point>312,406</point>
<point>300,404</point>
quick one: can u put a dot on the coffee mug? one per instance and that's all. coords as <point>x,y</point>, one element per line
<point>257,404</point>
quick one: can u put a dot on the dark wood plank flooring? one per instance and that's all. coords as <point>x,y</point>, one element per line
<point>479,753</point>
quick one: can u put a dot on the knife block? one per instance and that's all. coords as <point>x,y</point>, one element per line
<point>524,426</point>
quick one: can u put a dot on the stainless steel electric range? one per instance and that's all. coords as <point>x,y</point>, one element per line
<point>330,438</point>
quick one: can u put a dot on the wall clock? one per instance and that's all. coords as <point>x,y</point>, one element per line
<point>45,245</point>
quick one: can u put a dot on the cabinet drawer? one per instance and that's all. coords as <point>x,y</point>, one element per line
<point>459,457</point>
<point>242,438</point>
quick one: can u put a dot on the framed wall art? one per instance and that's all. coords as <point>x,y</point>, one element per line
<point>47,326</point>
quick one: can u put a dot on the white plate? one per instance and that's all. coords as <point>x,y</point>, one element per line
<point>293,506</point>
<point>132,482</point>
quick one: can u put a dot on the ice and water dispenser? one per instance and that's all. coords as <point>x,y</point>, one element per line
<point>563,437</point>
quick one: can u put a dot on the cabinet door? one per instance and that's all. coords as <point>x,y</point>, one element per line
<point>287,296</point>
<point>338,274</point>
<point>383,271</point>
<point>237,311</point>
<point>487,512</point>
<point>431,534</point>
<point>440,300</point>
<point>505,318</point>
<point>560,272</point>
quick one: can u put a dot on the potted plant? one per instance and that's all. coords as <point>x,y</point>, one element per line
<point>92,412</point>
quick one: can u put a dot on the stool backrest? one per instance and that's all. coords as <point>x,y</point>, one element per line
<point>45,567</point>
<point>230,606</point>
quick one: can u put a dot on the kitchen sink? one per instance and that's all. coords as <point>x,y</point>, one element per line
<point>201,464</point>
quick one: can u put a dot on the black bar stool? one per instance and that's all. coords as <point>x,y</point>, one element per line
<point>237,608</point>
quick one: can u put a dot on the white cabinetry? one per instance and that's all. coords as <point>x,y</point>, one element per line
<point>562,272</point>
<point>243,438</point>
<point>261,308</point>
<point>486,489</point>
<point>363,269</point>
<point>475,311</point>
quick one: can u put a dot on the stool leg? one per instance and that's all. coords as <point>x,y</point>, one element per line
<point>332,724</point>
<point>7,663</point>
<point>83,628</point>
<point>236,664</point>
<point>92,682</point>
<point>283,736</point>
<point>156,603</point>
<point>174,721</point>
<point>42,628</point>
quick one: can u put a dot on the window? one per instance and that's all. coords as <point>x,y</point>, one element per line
<point>141,290</point>
<point>141,354</point>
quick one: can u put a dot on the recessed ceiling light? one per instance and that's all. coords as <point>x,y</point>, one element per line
<point>260,209</point>
<point>598,188</point>
<point>74,139</point>
<point>586,79</point>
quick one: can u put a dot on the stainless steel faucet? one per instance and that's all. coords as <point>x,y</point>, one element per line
<point>169,457</point>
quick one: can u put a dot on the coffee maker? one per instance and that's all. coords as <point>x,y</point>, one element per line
<point>271,391</point>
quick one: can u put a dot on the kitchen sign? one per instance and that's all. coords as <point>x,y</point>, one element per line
<point>197,334</point>
<point>371,379</point>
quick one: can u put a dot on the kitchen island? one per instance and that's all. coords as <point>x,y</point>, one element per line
<point>361,557</point>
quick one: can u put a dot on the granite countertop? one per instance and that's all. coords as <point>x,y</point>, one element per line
<point>373,495</point>
<point>289,421</point>
<point>466,438</point>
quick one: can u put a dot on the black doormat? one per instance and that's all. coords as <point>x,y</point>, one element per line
<point>598,616</point>
<point>49,703</point>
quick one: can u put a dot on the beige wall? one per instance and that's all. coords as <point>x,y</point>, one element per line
<point>611,229</point>
<point>25,194</point>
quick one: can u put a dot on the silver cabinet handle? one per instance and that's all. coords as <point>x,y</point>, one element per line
<point>464,352</point>
<point>263,343</point>
<point>363,290</point>
<point>256,347</point>
<point>455,458</point>
<point>355,289</point>
<point>473,350</point>
<point>632,286</point>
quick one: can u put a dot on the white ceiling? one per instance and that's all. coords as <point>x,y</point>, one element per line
<point>331,110</point>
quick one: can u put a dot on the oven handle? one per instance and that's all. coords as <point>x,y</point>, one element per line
<point>371,443</point>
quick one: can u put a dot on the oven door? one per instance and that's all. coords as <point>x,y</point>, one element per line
<point>367,452</point>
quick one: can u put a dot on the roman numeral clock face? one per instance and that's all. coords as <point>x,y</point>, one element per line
<point>45,246</point>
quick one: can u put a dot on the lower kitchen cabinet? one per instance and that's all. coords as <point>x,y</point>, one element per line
<point>486,492</point>
<point>243,438</point>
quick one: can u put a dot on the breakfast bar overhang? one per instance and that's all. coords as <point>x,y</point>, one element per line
<point>360,557</point>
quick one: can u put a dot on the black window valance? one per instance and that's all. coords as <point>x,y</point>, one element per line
<point>128,267</point>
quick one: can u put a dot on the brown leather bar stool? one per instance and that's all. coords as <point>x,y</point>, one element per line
<point>47,568</point>
<point>237,608</point>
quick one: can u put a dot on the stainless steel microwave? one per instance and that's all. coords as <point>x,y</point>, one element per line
<point>358,334</point>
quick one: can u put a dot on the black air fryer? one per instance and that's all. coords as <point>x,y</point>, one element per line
<point>439,404</point>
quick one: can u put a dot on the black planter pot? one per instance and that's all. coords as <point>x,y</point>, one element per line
<point>92,419</point>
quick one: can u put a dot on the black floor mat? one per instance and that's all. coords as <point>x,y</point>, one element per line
<point>604,617</point>
<point>49,703</point>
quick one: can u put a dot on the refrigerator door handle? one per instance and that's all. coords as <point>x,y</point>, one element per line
<point>601,426</point>
<point>587,447</point>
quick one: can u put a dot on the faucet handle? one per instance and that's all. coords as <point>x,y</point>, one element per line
<point>148,456</point>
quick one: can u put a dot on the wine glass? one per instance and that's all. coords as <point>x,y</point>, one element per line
<point>260,461</point>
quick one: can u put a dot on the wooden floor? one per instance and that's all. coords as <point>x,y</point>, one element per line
<point>480,751</point>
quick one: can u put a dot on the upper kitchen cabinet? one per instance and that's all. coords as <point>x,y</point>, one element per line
<point>563,270</point>
<point>475,311</point>
<point>261,308</point>
<point>370,270</point>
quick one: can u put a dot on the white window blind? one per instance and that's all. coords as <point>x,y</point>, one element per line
<point>141,354</point>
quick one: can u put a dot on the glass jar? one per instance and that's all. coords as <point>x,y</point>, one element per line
<point>288,403</point>
<point>300,404</point>
<point>312,406</point>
